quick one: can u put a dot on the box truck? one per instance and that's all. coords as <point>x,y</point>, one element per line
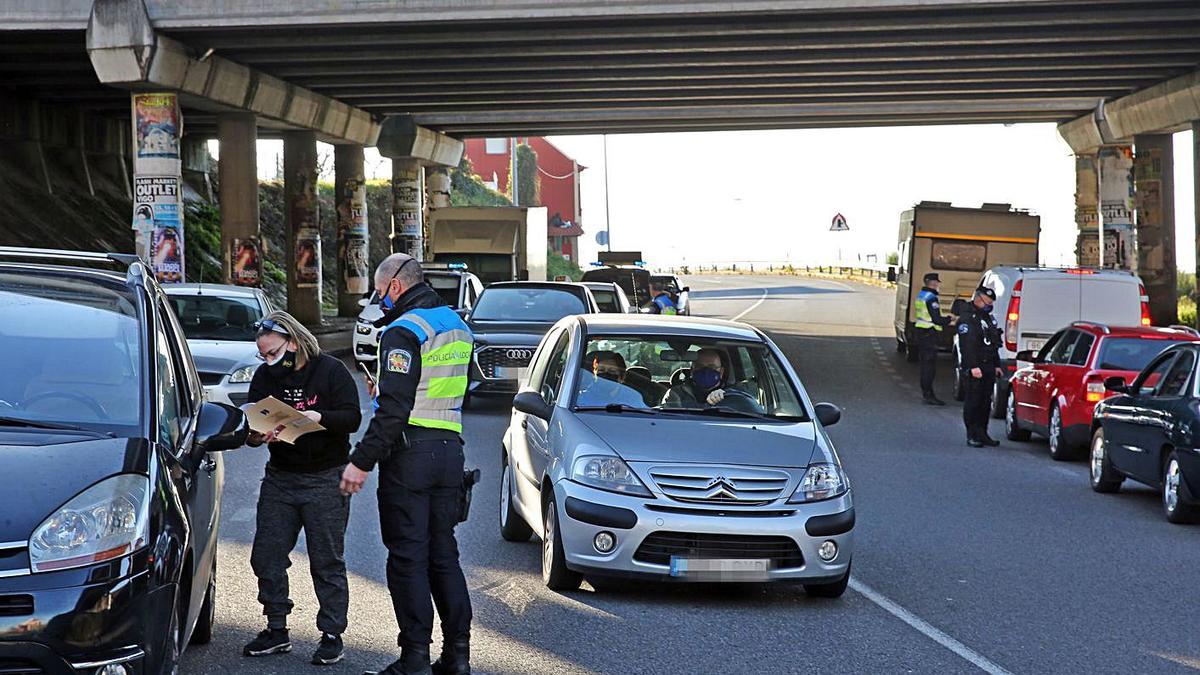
<point>496,243</point>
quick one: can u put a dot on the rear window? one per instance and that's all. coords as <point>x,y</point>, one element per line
<point>606,301</point>
<point>960,256</point>
<point>1129,353</point>
<point>526,304</point>
<point>446,288</point>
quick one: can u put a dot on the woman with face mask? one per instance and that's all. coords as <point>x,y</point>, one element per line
<point>301,486</point>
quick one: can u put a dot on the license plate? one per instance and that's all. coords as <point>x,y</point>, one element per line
<point>721,569</point>
<point>508,373</point>
<point>1035,345</point>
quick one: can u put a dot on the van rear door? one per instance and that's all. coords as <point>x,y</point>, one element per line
<point>1110,299</point>
<point>1049,302</point>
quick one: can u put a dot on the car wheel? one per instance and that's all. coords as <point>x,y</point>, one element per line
<point>1060,449</point>
<point>1174,506</point>
<point>1012,428</point>
<point>830,590</point>
<point>554,560</point>
<point>512,526</point>
<point>172,649</point>
<point>1103,476</point>
<point>999,396</point>
<point>203,632</point>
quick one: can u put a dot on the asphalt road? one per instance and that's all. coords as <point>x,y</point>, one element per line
<point>966,559</point>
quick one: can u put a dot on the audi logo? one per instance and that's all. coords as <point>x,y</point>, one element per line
<point>523,354</point>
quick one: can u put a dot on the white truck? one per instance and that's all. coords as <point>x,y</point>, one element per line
<point>497,243</point>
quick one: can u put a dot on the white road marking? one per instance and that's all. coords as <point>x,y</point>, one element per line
<point>751,308</point>
<point>971,656</point>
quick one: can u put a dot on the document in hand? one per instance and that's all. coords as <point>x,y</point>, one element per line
<point>271,413</point>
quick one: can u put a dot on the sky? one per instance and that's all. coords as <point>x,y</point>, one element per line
<point>770,196</point>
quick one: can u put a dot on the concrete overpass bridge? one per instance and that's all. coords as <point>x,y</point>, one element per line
<point>413,76</point>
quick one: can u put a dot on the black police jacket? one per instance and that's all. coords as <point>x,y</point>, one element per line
<point>978,340</point>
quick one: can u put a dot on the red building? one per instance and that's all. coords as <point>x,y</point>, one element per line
<point>558,175</point>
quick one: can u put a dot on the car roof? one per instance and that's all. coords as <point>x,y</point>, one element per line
<point>225,290</point>
<point>606,285</point>
<point>1181,333</point>
<point>561,285</point>
<point>1024,271</point>
<point>669,326</point>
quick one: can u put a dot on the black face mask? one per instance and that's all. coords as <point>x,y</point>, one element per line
<point>283,366</point>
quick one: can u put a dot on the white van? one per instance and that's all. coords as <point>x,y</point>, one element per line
<point>1033,303</point>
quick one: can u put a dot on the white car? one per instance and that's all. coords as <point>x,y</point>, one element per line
<point>458,288</point>
<point>219,322</point>
<point>1034,303</point>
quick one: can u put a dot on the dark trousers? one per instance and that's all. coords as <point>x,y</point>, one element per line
<point>927,351</point>
<point>420,488</point>
<point>977,408</point>
<point>288,502</point>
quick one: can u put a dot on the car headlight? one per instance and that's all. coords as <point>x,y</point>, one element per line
<point>106,521</point>
<point>363,328</point>
<point>608,473</point>
<point>821,481</point>
<point>243,374</point>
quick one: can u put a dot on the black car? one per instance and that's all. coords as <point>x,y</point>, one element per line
<point>635,281</point>
<point>1150,430</point>
<point>509,320</point>
<point>110,476</point>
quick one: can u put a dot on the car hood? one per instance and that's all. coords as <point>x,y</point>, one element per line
<point>663,439</point>
<point>39,477</point>
<point>220,356</point>
<point>509,332</point>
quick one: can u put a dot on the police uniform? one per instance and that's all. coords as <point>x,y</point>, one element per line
<point>929,325</point>
<point>979,347</point>
<point>415,438</point>
<point>663,304</point>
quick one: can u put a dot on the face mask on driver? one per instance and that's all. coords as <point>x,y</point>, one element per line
<point>706,378</point>
<point>986,309</point>
<point>283,364</point>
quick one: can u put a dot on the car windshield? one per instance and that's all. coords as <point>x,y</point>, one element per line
<point>670,285</point>
<point>686,376</point>
<point>446,287</point>
<point>606,300</point>
<point>215,317</point>
<point>1132,354</point>
<point>514,303</point>
<point>70,353</point>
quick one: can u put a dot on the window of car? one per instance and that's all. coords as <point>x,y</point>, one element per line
<point>168,389</point>
<point>1043,354</point>
<point>537,303</point>
<point>960,256</point>
<point>606,300</point>
<point>193,389</point>
<point>1083,347</point>
<point>556,367</point>
<point>446,286</point>
<point>1148,380</point>
<point>1119,353</point>
<point>1061,354</point>
<point>205,316</point>
<point>1174,383</point>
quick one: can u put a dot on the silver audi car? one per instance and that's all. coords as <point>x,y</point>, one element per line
<point>674,449</point>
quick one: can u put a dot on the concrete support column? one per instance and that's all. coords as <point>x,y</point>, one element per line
<point>354,267</point>
<point>1115,163</point>
<point>408,207</point>
<point>303,226</point>
<point>241,243</point>
<point>1154,169</point>
<point>1087,211</point>
<point>437,183</point>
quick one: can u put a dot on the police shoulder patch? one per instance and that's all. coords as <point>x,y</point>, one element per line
<point>934,304</point>
<point>963,328</point>
<point>399,361</point>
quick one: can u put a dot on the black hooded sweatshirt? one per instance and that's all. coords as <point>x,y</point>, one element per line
<point>326,386</point>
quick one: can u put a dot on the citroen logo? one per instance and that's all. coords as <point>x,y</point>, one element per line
<point>719,480</point>
<point>721,488</point>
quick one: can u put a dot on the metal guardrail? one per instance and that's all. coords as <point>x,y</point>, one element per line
<point>879,272</point>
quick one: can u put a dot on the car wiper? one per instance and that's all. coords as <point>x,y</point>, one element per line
<point>20,422</point>
<point>618,408</point>
<point>723,412</point>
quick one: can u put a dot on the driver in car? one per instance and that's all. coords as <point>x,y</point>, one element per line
<point>706,385</point>
<point>605,383</point>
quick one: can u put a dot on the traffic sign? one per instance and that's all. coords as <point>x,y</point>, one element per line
<point>839,224</point>
<point>602,238</point>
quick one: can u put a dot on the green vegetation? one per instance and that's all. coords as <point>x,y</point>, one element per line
<point>529,184</point>
<point>893,258</point>
<point>556,266</point>
<point>202,243</point>
<point>468,189</point>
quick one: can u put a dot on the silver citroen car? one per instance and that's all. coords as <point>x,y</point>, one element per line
<point>677,449</point>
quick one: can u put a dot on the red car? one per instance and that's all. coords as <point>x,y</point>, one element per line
<point>1054,396</point>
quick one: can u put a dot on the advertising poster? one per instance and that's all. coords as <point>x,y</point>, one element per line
<point>157,209</point>
<point>1116,185</point>
<point>156,126</point>
<point>167,255</point>
<point>406,200</point>
<point>352,236</point>
<point>308,258</point>
<point>245,262</point>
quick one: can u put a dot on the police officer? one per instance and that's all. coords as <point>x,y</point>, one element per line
<point>661,302</point>
<point>929,326</point>
<point>979,347</point>
<point>415,439</point>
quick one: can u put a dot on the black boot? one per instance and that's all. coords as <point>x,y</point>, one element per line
<point>973,438</point>
<point>931,399</point>
<point>413,661</point>
<point>987,440</point>
<point>455,659</point>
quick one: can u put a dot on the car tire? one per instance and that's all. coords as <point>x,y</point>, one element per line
<point>203,633</point>
<point>1173,490</point>
<point>999,396</point>
<point>512,526</point>
<point>1012,428</point>
<point>555,573</point>
<point>1061,449</point>
<point>172,649</point>
<point>1104,478</point>
<point>830,590</point>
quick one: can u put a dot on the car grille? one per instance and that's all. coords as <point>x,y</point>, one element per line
<point>659,547</point>
<point>16,605</point>
<point>491,358</point>
<point>720,485</point>
<point>210,379</point>
<point>19,667</point>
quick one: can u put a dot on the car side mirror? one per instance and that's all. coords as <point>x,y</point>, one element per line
<point>1116,383</point>
<point>463,311</point>
<point>532,403</point>
<point>219,427</point>
<point>1028,355</point>
<point>827,414</point>
<point>687,289</point>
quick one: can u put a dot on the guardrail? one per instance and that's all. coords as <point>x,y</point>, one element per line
<point>877,272</point>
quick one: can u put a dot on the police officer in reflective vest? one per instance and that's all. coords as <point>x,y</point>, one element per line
<point>661,302</point>
<point>979,348</point>
<point>415,439</point>
<point>929,326</point>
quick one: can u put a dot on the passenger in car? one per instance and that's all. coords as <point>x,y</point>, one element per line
<point>706,385</point>
<point>604,383</point>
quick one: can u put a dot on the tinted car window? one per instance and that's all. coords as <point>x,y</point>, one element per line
<point>168,390</point>
<point>1083,347</point>
<point>211,317</point>
<point>1061,353</point>
<point>526,304</point>
<point>1148,381</point>
<point>446,288</point>
<point>552,385</point>
<point>70,352</point>
<point>606,301</point>
<point>1128,353</point>
<point>1177,377</point>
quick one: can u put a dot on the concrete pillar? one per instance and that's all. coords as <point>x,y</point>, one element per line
<point>241,243</point>
<point>354,267</point>
<point>408,207</point>
<point>303,226</point>
<point>1196,196</point>
<point>1087,211</point>
<point>437,183</point>
<point>1154,168</point>
<point>157,183</point>
<point>1115,164</point>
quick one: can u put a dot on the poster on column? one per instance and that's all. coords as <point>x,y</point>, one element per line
<point>352,236</point>
<point>157,209</point>
<point>406,196</point>
<point>156,128</point>
<point>308,258</point>
<point>245,262</point>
